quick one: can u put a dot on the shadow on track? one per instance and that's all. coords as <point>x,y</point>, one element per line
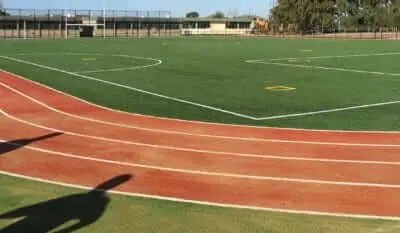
<point>7,147</point>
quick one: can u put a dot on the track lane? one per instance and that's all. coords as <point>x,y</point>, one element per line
<point>272,194</point>
<point>204,162</point>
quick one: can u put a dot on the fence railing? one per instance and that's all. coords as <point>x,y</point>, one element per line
<point>58,23</point>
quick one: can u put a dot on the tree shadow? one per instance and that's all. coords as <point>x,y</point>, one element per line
<point>7,147</point>
<point>84,208</point>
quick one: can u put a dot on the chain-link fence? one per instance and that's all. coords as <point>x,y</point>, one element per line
<point>57,24</point>
<point>23,23</point>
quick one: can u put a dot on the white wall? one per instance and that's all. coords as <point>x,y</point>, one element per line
<point>216,28</point>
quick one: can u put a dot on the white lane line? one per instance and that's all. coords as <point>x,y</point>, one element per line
<point>188,149</point>
<point>222,153</point>
<point>206,173</point>
<point>204,203</point>
<point>338,56</point>
<point>142,128</point>
<point>200,123</point>
<point>82,76</point>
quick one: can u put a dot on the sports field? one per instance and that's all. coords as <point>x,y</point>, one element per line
<point>326,84</point>
<point>64,139</point>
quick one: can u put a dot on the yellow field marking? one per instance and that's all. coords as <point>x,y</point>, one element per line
<point>280,88</point>
<point>89,59</point>
<point>306,50</point>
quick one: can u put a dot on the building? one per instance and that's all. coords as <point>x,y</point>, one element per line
<point>115,24</point>
<point>210,26</point>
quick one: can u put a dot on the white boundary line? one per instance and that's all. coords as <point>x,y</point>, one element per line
<point>327,110</point>
<point>322,68</point>
<point>157,63</point>
<point>116,69</point>
<point>203,203</point>
<point>150,129</point>
<point>198,122</point>
<point>330,110</point>
<point>207,173</point>
<point>338,56</point>
<point>128,87</point>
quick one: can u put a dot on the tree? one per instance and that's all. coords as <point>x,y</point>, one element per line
<point>2,11</point>
<point>308,15</point>
<point>218,15</point>
<point>193,14</point>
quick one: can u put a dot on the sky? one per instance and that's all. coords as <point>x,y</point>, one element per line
<point>176,7</point>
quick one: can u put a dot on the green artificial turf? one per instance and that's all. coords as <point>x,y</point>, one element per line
<point>213,72</point>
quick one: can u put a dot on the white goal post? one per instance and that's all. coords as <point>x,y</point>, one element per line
<point>87,23</point>
<point>81,26</point>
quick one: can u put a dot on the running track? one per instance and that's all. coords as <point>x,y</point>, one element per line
<point>325,172</point>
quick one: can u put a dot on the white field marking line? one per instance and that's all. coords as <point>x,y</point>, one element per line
<point>322,68</point>
<point>204,203</point>
<point>207,173</point>
<point>192,121</point>
<point>90,54</point>
<point>233,154</point>
<point>129,88</point>
<point>147,129</point>
<point>329,110</point>
<point>116,69</point>
<point>339,56</point>
<point>157,63</point>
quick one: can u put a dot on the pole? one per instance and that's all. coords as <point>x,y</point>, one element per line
<point>18,31</point>
<point>24,29</point>
<point>104,18</point>
<point>104,22</point>
<point>66,24</point>
<point>131,31</point>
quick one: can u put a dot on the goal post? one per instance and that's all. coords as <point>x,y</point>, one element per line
<point>84,30</point>
<point>85,25</point>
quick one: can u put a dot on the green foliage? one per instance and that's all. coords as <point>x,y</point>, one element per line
<point>307,15</point>
<point>218,15</point>
<point>193,14</point>
<point>2,10</point>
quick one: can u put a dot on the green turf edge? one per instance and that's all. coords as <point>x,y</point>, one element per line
<point>130,214</point>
